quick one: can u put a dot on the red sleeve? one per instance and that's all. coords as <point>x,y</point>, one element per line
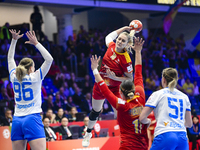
<point>116,102</point>
<point>138,81</point>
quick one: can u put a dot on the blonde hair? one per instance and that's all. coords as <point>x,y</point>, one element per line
<point>171,76</point>
<point>23,67</point>
<point>130,37</point>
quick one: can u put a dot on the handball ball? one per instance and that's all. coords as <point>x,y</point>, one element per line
<point>136,25</point>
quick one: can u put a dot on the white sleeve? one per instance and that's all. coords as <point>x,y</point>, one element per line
<point>110,37</point>
<point>153,100</point>
<point>11,53</point>
<point>48,60</point>
<point>188,104</point>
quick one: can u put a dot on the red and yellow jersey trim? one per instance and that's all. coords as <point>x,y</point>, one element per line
<point>126,55</point>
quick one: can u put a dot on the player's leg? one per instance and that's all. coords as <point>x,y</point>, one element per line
<point>183,141</point>
<point>38,144</point>
<point>19,145</point>
<point>17,135</point>
<point>34,132</point>
<point>93,117</point>
<point>165,141</point>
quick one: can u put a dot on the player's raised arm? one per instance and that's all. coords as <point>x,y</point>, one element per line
<point>110,37</point>
<point>46,55</point>
<point>11,51</point>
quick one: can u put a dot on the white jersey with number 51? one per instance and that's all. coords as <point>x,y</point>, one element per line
<point>169,110</point>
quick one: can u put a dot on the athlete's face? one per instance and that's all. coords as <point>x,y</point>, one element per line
<point>121,41</point>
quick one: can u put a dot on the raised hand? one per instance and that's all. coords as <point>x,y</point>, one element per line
<point>32,38</point>
<point>110,74</point>
<point>15,35</point>
<point>138,44</point>
<point>94,61</point>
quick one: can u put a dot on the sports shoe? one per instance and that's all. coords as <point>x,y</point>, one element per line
<point>86,139</point>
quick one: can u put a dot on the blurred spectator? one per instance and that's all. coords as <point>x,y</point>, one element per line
<point>67,56</point>
<point>70,43</point>
<point>87,103</point>
<point>82,65</point>
<point>49,132</point>
<point>48,104</point>
<point>60,114</point>
<point>4,33</point>
<point>64,130</point>
<point>4,95</point>
<point>106,107</point>
<point>62,94</point>
<point>10,91</point>
<point>188,87</point>
<point>66,89</point>
<point>180,40</point>
<point>196,89</point>
<point>70,103</point>
<point>181,82</point>
<point>66,72</point>
<point>36,20</point>
<point>4,71</point>
<point>44,93</point>
<point>77,97</point>
<point>59,80</point>
<point>4,47</point>
<point>182,61</point>
<point>194,132</point>
<point>49,114</point>
<point>54,70</point>
<point>83,129</point>
<point>72,114</point>
<point>58,103</point>
<point>7,119</point>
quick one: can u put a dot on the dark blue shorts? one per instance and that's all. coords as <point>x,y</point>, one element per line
<point>28,127</point>
<point>170,141</point>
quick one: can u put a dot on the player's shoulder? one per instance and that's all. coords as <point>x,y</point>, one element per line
<point>180,93</point>
<point>111,44</point>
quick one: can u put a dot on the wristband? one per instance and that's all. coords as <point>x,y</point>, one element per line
<point>95,71</point>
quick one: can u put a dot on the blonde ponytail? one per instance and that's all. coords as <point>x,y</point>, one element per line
<point>130,95</point>
<point>20,72</point>
<point>172,85</point>
<point>23,68</point>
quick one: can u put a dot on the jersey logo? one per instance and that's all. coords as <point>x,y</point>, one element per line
<point>120,101</point>
<point>130,68</point>
<point>166,123</point>
<point>113,56</point>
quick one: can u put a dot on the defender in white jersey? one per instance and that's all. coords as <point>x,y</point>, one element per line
<point>27,124</point>
<point>172,112</point>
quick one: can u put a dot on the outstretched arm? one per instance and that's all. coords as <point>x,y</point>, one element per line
<point>46,55</point>
<point>11,51</point>
<point>110,37</point>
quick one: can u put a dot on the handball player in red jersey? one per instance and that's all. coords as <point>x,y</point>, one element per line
<point>118,61</point>
<point>133,134</point>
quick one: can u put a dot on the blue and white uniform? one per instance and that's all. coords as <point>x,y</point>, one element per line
<point>27,123</point>
<point>169,110</point>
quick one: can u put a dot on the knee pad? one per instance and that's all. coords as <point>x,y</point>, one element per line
<point>94,115</point>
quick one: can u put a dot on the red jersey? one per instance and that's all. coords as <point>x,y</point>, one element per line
<point>119,63</point>
<point>133,133</point>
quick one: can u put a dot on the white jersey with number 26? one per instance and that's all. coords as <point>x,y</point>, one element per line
<point>169,110</point>
<point>27,93</point>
